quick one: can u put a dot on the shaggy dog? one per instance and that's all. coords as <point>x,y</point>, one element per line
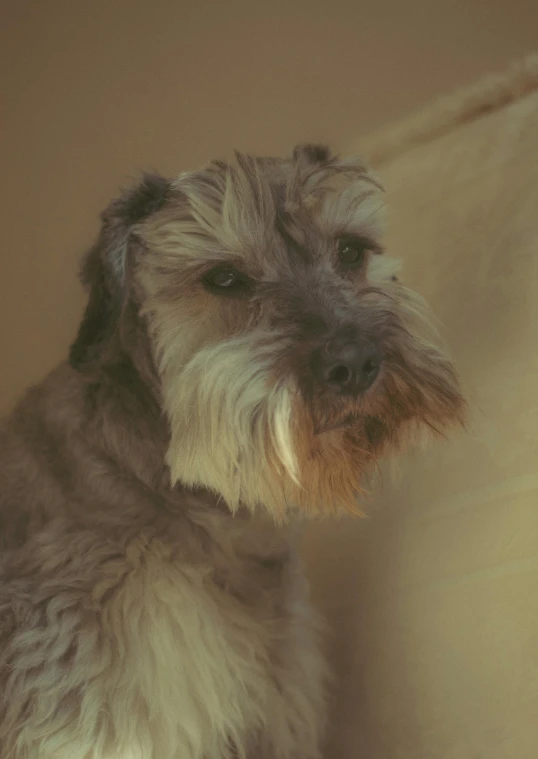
<point>246,355</point>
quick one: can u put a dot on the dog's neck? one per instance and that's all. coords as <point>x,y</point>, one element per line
<point>125,421</point>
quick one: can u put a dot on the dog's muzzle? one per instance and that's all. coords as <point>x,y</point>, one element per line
<point>347,366</point>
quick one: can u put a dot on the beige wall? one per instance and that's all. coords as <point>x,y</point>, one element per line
<point>97,90</point>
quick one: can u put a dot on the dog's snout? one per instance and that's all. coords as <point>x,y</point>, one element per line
<point>348,369</point>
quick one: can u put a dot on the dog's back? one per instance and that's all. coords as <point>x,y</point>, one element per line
<point>32,472</point>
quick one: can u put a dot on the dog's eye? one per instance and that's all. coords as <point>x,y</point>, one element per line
<point>352,252</point>
<point>226,280</point>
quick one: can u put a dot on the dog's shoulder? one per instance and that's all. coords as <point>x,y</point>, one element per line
<point>34,440</point>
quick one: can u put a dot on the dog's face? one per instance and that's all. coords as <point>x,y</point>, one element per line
<point>289,356</point>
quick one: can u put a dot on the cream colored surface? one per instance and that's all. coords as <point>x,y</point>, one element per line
<point>434,598</point>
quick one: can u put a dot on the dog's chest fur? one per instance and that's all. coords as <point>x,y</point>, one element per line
<point>201,626</point>
<point>185,632</point>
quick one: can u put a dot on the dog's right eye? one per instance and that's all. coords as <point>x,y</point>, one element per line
<point>226,280</point>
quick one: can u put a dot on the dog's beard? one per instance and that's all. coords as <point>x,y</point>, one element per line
<point>416,395</point>
<point>254,438</point>
<point>231,424</point>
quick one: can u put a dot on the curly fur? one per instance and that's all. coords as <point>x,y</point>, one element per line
<point>152,602</point>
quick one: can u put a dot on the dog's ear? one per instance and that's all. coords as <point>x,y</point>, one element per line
<point>311,154</point>
<point>104,267</point>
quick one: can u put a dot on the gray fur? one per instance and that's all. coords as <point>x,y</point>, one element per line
<point>152,601</point>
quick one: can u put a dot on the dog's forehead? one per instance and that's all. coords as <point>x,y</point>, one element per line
<point>256,207</point>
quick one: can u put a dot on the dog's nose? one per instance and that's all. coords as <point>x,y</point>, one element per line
<point>348,369</point>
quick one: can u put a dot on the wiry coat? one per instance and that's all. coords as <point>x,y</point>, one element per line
<point>152,605</point>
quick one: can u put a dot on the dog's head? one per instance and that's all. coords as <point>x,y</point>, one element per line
<point>288,355</point>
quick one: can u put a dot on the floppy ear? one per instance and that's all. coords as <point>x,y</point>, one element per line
<point>312,154</point>
<point>104,267</point>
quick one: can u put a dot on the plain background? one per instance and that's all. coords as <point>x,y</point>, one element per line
<point>96,91</point>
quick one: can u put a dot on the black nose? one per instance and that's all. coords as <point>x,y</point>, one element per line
<point>348,369</point>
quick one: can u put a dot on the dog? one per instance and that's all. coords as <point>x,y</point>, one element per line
<point>246,355</point>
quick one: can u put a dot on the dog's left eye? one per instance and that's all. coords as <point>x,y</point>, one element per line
<point>352,252</point>
<point>226,280</point>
